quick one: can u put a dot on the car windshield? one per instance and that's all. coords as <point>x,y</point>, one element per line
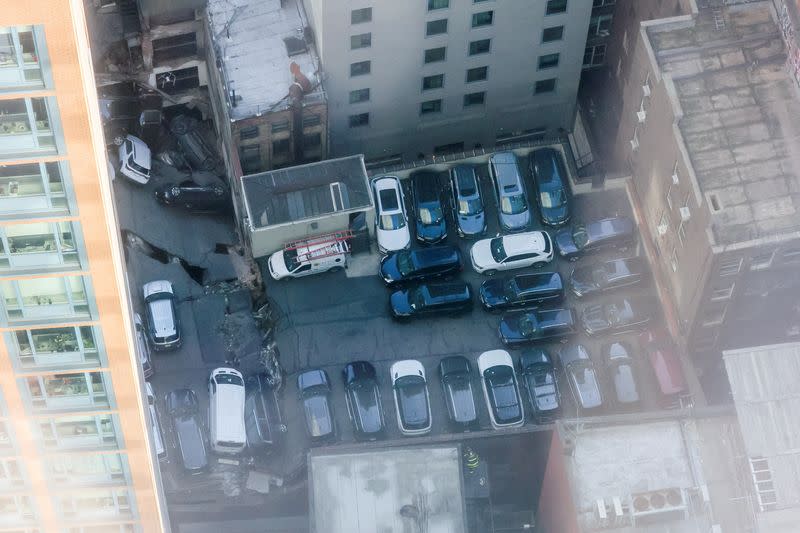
<point>527,326</point>
<point>555,198</point>
<point>579,236</point>
<point>498,252</point>
<point>392,222</point>
<point>405,263</point>
<point>513,205</point>
<point>290,259</point>
<point>470,207</point>
<point>430,215</point>
<point>228,379</point>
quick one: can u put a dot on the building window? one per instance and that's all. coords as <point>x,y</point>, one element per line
<point>594,56</point>
<point>719,294</point>
<point>663,225</point>
<point>170,48</point>
<point>250,132</point>
<point>85,469</point>
<point>762,261</point>
<point>477,74</point>
<point>729,267</point>
<point>20,58</point>
<point>448,148</point>
<point>79,432</point>
<point>93,503</point>
<point>480,47</point>
<point>673,260</point>
<point>682,233</point>
<point>713,317</point>
<point>668,196</point>
<point>55,347</point>
<point>45,298</point>
<point>38,246</point>
<point>433,82</point>
<point>555,7</point>
<point>484,18</point>
<point>359,95</point>
<point>68,391</point>
<point>545,86</point>
<point>25,126</point>
<point>6,439</point>
<point>33,188</point>
<point>11,474</point>
<point>281,148</point>
<point>548,61</point>
<point>600,26</point>
<point>312,140</point>
<point>473,99</point>
<point>250,158</point>
<point>432,55</point>
<point>430,106</point>
<point>277,127</point>
<point>359,16</point>
<point>360,68</point>
<point>361,119</point>
<point>176,81</point>
<point>554,33</point>
<point>438,4</point>
<point>309,121</point>
<point>17,509</point>
<point>363,40</point>
<point>601,3</point>
<point>435,27</point>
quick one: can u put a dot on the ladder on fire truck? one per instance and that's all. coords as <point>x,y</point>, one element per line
<point>320,246</point>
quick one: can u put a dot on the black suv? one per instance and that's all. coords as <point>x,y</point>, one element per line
<point>432,298</point>
<point>425,263</point>
<point>607,276</point>
<point>521,327</point>
<point>610,233</point>
<point>263,421</point>
<point>468,211</point>
<point>617,316</point>
<point>539,380</point>
<point>314,391</point>
<point>194,197</point>
<point>182,408</point>
<point>522,290</point>
<point>429,213</point>
<point>363,398</point>
<point>550,180</point>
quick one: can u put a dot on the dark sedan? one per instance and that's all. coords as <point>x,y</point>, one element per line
<point>616,316</point>
<point>411,399</point>
<point>621,370</point>
<point>521,327</point>
<point>426,193</point>
<point>581,377</point>
<point>363,400</point>
<point>468,208</point>
<point>550,178</point>
<point>182,408</point>
<point>425,263</point>
<point>455,372</point>
<point>262,415</point>
<point>522,290</point>
<point>610,233</point>
<point>194,197</point>
<point>664,359</point>
<point>314,389</point>
<point>449,298</point>
<point>539,380</point>
<point>607,276</point>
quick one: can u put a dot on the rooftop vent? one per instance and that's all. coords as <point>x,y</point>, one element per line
<point>714,203</point>
<point>295,46</point>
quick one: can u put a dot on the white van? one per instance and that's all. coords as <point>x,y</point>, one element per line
<point>226,411</point>
<point>309,259</point>
<point>135,160</point>
<point>155,424</point>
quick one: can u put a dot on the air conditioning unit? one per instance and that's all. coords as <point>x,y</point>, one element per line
<point>641,115</point>
<point>675,179</point>
<point>634,144</point>
<point>658,506</point>
<point>662,229</point>
<point>646,89</point>
<point>685,213</point>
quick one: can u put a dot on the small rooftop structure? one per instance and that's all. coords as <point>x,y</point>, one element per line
<point>740,116</point>
<point>257,40</point>
<point>388,491</point>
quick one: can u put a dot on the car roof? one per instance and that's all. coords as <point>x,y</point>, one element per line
<point>538,280</point>
<point>436,255</point>
<point>549,167</point>
<point>533,241</point>
<point>465,177</point>
<point>426,185</point>
<point>608,226</point>
<point>448,291</point>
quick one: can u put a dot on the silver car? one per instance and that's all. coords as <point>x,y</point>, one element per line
<point>513,208</point>
<point>467,202</point>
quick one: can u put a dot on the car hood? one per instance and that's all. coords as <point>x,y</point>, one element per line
<point>472,224</point>
<point>431,232</point>
<point>564,242</point>
<point>395,239</point>
<point>318,416</point>
<point>481,254</point>
<point>400,304</point>
<point>277,266</point>
<point>493,292</point>
<point>517,222</point>
<point>190,438</point>
<point>389,270</point>
<point>555,215</point>
<point>593,318</point>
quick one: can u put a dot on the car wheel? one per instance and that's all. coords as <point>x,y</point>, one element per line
<point>490,272</point>
<point>118,139</point>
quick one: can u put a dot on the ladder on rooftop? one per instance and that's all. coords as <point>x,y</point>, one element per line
<point>324,245</point>
<point>762,480</point>
<point>719,19</point>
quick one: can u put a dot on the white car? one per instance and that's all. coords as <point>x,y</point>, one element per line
<point>391,221</point>
<point>135,160</point>
<point>163,326</point>
<point>411,401</point>
<point>534,248</point>
<point>142,347</point>
<point>500,389</point>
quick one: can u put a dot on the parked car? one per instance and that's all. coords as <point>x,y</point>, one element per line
<point>411,399</point>
<point>314,390</point>
<point>127,107</point>
<point>607,276</point>
<point>489,256</point>
<point>226,411</point>
<point>621,370</point>
<point>363,398</point>
<point>198,153</point>
<point>468,207</point>
<point>522,290</point>
<point>618,233</point>
<point>263,420</point>
<point>550,180</point>
<point>426,188</point>
<point>135,160</point>
<point>617,315</point>
<point>142,347</point>
<point>500,389</point>
<point>308,259</point>
<point>194,197</point>
<point>163,326</point>
<point>155,423</point>
<point>513,209</point>
<point>441,298</point>
<point>391,220</point>
<point>539,381</point>
<point>182,408</point>
<point>424,263</point>
<point>455,373</point>
<point>663,357</point>
<point>523,327</point>
<point>581,377</point>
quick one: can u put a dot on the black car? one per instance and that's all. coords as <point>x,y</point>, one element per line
<point>425,263</point>
<point>522,327</point>
<point>610,233</point>
<point>198,152</point>
<point>539,380</point>
<point>622,371</point>
<point>550,179</point>
<point>263,421</point>
<point>447,298</point>
<point>363,400</point>
<point>617,315</point>
<point>468,210</point>
<point>426,193</point>
<point>455,373</point>
<point>314,389</point>
<point>193,197</point>
<point>607,276</point>
<point>522,290</point>
<point>581,377</point>
<point>182,408</point>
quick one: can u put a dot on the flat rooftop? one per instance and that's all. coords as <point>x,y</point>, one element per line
<point>741,116</point>
<point>365,492</point>
<point>254,38</point>
<point>306,191</point>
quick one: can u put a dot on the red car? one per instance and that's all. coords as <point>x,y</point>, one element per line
<point>663,357</point>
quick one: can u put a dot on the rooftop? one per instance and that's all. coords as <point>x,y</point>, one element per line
<point>306,191</point>
<point>365,492</point>
<point>741,116</point>
<point>252,39</point>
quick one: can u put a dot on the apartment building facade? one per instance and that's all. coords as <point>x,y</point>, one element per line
<point>75,451</point>
<point>438,76</point>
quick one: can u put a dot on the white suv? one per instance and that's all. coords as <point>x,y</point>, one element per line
<point>391,221</point>
<point>134,160</point>
<point>534,248</point>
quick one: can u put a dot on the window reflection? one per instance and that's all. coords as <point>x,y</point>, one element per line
<point>40,245</point>
<point>68,391</point>
<point>92,503</point>
<point>76,432</point>
<point>20,62</point>
<point>32,188</point>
